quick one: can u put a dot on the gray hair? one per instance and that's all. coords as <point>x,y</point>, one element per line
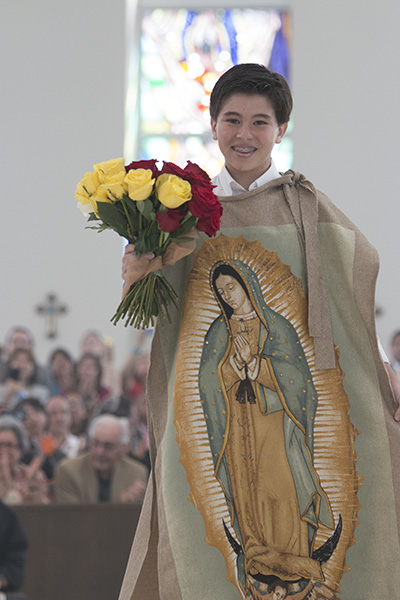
<point>122,422</point>
<point>9,423</point>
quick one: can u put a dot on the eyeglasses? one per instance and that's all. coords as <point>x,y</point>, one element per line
<point>107,446</point>
<point>9,445</point>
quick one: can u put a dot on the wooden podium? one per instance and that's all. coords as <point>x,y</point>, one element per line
<point>77,552</point>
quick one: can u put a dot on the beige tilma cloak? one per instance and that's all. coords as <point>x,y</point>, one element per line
<point>307,268</point>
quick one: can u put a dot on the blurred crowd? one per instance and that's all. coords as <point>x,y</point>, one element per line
<point>73,430</point>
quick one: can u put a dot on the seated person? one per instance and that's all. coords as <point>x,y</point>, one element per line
<point>61,372</point>
<point>89,373</point>
<point>79,416</point>
<point>139,447</point>
<point>93,343</point>
<point>13,546</point>
<point>20,380</point>
<point>59,427</point>
<point>133,386</point>
<point>104,473</point>
<point>20,337</point>
<point>19,483</point>
<point>34,419</point>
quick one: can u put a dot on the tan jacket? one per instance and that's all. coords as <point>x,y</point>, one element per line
<point>76,481</point>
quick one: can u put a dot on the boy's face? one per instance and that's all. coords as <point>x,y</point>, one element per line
<point>247,130</point>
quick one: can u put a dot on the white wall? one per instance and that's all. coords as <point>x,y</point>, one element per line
<point>62,109</point>
<point>347,125</point>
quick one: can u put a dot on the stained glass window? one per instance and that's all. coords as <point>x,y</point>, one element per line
<point>182,54</point>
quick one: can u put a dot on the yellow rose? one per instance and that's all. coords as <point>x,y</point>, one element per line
<point>85,189</point>
<point>101,195</point>
<point>111,171</point>
<point>116,189</point>
<point>173,191</point>
<point>140,183</point>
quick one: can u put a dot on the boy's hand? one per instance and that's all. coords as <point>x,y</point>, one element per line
<point>134,494</point>
<point>134,268</point>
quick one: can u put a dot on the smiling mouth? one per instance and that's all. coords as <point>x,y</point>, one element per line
<point>241,150</point>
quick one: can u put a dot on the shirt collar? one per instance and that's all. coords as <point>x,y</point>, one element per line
<point>227,186</point>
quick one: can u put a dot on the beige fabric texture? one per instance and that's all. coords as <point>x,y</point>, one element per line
<point>151,571</point>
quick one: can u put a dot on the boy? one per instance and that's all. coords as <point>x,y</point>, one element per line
<point>247,121</point>
<point>255,481</point>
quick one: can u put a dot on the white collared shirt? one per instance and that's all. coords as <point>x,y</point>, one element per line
<point>227,186</point>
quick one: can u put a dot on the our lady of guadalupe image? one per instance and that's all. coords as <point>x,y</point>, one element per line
<point>259,394</point>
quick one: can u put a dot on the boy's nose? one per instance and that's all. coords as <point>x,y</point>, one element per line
<point>244,133</point>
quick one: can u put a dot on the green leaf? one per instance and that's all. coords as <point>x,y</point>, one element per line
<point>99,228</point>
<point>186,226</point>
<point>147,240</point>
<point>140,244</point>
<point>181,239</point>
<point>146,207</point>
<point>113,218</point>
<point>129,207</point>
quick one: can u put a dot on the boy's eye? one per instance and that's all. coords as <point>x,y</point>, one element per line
<point>235,121</point>
<point>260,123</point>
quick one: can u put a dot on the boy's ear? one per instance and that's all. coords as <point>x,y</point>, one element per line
<point>214,129</point>
<point>281,132</point>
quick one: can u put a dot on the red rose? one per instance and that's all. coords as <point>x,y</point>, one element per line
<point>204,202</point>
<point>171,220</point>
<point>191,173</point>
<point>144,164</point>
<point>195,172</point>
<point>211,224</point>
<point>173,169</point>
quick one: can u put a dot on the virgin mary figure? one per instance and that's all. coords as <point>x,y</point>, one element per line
<point>259,405</point>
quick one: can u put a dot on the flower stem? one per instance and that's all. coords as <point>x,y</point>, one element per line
<point>146,300</point>
<point>130,225</point>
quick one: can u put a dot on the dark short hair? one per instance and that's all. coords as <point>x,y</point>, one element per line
<point>33,402</point>
<point>252,78</point>
<point>61,351</point>
<point>30,357</point>
<point>97,363</point>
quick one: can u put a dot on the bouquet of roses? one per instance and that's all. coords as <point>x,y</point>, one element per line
<point>157,211</point>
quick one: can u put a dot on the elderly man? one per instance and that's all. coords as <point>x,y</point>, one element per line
<point>104,473</point>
